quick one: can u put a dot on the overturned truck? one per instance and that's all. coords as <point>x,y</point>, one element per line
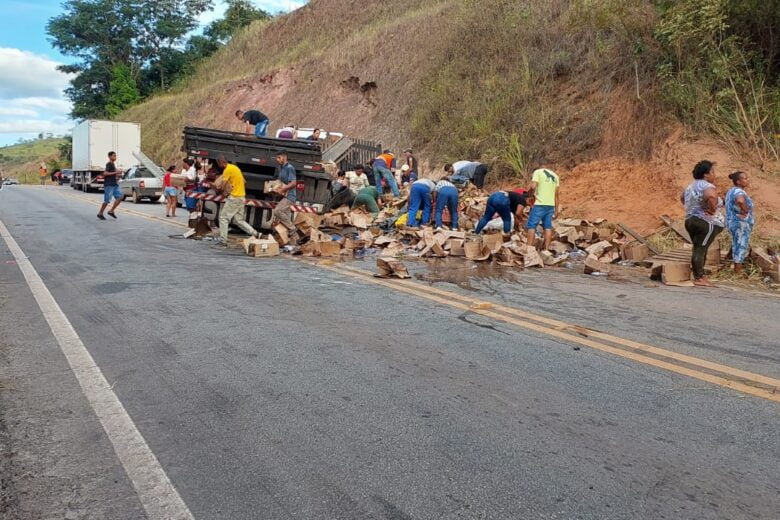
<point>257,159</point>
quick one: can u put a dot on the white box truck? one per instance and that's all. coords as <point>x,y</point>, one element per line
<point>92,140</point>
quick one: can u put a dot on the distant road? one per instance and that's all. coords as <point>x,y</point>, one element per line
<point>144,376</point>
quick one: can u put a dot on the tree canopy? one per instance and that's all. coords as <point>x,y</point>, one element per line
<point>129,49</point>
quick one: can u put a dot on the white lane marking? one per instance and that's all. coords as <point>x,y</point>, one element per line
<point>155,490</point>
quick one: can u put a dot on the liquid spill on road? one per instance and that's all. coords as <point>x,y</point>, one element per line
<point>464,274</point>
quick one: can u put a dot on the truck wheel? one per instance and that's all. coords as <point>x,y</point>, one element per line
<point>136,198</point>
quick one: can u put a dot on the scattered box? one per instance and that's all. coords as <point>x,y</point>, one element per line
<point>676,274</point>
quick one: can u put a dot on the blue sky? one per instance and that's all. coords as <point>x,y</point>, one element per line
<point>31,99</point>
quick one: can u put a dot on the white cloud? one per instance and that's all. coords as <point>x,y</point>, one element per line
<point>275,6</point>
<point>31,94</point>
<point>26,74</point>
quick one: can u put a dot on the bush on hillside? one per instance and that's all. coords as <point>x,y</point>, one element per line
<point>721,70</point>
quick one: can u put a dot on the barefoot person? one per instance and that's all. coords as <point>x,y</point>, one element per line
<point>703,217</point>
<point>739,218</point>
<point>110,187</point>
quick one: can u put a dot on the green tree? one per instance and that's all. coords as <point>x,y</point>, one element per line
<point>122,92</point>
<point>162,27</point>
<point>65,149</point>
<point>239,14</point>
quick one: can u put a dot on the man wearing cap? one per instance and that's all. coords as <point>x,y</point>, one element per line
<point>288,190</point>
<point>407,175</point>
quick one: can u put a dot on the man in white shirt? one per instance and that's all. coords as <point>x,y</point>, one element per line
<point>357,180</point>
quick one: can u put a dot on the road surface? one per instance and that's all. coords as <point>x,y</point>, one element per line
<point>145,376</point>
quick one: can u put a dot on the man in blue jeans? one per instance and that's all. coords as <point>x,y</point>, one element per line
<point>446,197</point>
<point>544,187</point>
<point>110,187</point>
<point>420,195</point>
<point>505,204</point>
<point>381,166</point>
<point>256,119</point>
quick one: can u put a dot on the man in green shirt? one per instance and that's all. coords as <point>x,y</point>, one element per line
<point>367,198</point>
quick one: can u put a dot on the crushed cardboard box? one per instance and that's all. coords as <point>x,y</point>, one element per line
<point>389,268</point>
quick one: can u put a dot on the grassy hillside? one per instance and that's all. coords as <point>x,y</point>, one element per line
<point>22,160</point>
<point>508,82</point>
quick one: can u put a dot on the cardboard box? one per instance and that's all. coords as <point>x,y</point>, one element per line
<point>592,265</point>
<point>266,248</point>
<point>329,248</point>
<point>456,247</point>
<point>307,221</point>
<point>677,274</point>
<point>261,248</point>
<point>281,234</point>
<point>271,186</point>
<point>493,242</point>
<point>476,251</point>
<point>636,252</point>
<point>388,267</point>
<point>178,181</point>
<point>360,219</point>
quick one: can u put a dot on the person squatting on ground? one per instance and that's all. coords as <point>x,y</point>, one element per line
<point>367,198</point>
<point>341,195</point>
<point>110,187</point>
<point>544,189</point>
<point>254,121</point>
<point>288,190</point>
<point>703,217</point>
<point>382,166</point>
<point>446,197</point>
<point>233,209</point>
<point>420,195</point>
<point>170,192</point>
<point>739,218</point>
<point>505,204</point>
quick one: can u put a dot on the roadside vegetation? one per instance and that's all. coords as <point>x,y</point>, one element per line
<point>512,82</point>
<point>21,161</point>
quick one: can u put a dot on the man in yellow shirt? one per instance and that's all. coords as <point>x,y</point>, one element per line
<point>544,187</point>
<point>233,208</point>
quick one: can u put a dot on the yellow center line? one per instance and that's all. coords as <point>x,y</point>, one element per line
<point>563,326</point>
<point>771,392</point>
<point>729,377</point>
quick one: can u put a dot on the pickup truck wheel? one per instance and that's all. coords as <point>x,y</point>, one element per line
<point>136,198</point>
<point>156,199</point>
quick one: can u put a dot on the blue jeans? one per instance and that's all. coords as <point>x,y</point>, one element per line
<point>261,127</point>
<point>497,203</point>
<point>448,197</point>
<point>110,192</point>
<point>420,195</point>
<point>379,174</point>
<point>543,214</point>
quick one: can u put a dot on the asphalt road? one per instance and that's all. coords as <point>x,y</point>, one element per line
<point>275,388</point>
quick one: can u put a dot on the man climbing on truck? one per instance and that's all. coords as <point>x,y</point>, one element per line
<point>256,119</point>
